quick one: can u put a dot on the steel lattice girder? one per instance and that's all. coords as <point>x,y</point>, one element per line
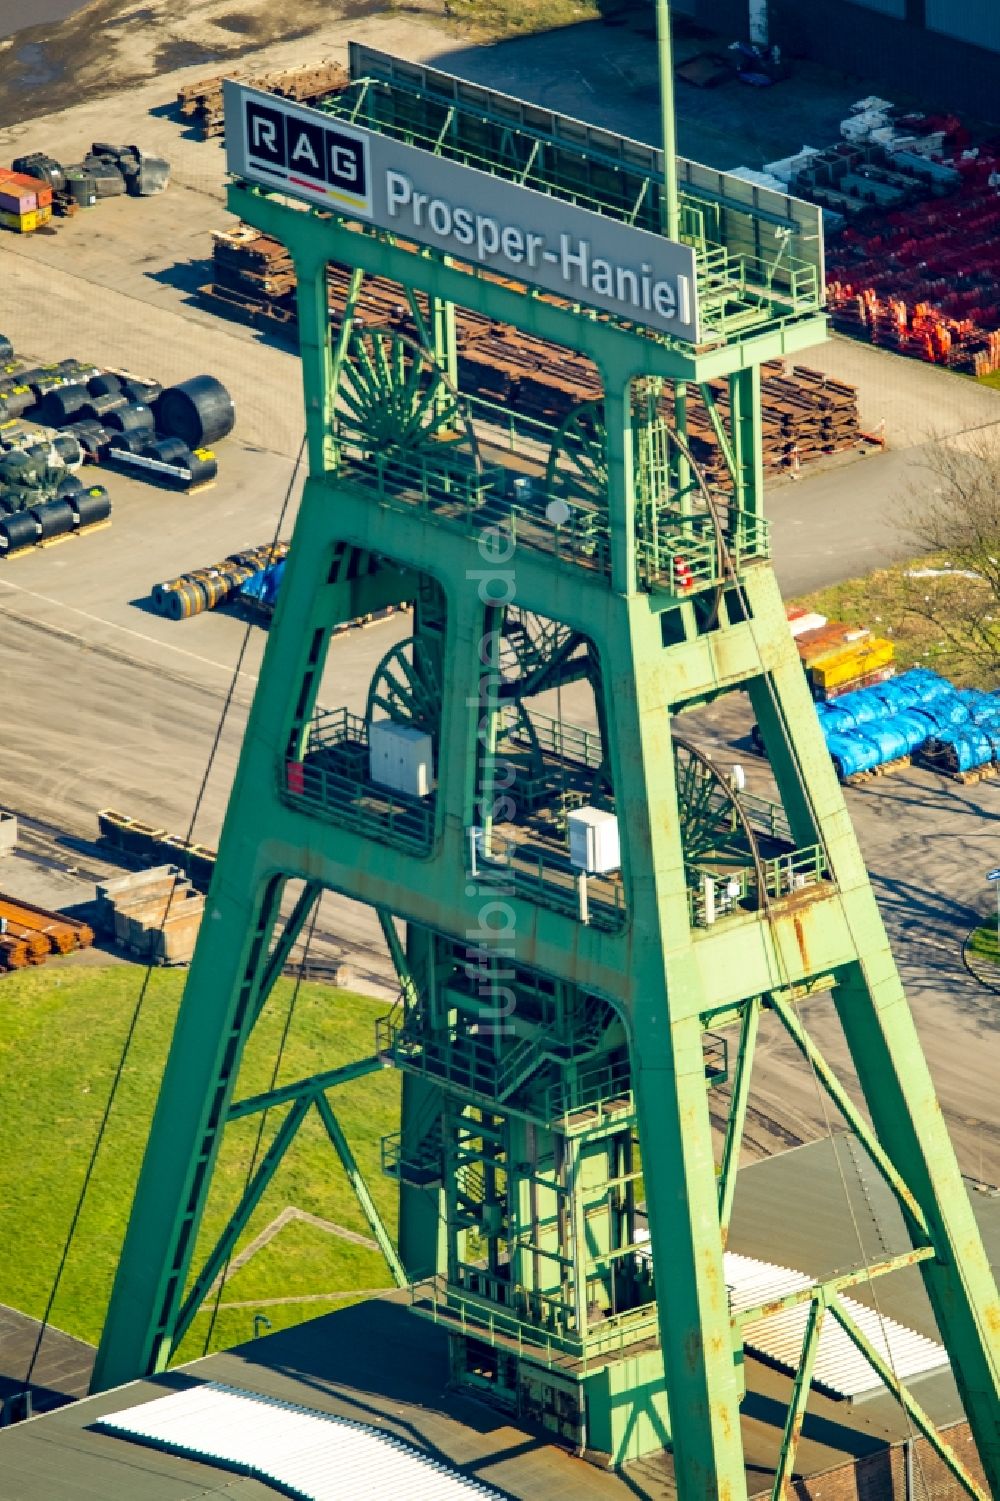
<point>662,975</point>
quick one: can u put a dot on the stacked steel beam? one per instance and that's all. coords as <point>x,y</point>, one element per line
<point>201,101</point>
<point>29,934</point>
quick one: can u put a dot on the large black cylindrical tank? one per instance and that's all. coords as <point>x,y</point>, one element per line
<point>169,451</point>
<point>199,410</point>
<point>104,384</point>
<point>91,435</point>
<point>69,449</point>
<point>17,398</point>
<point>136,443</point>
<point>61,405</point>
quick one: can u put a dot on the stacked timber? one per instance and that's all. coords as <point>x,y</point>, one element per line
<point>201,101</point>
<point>29,934</point>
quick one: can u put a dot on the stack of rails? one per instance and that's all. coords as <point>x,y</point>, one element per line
<point>31,933</point>
<point>806,414</point>
<point>201,102</point>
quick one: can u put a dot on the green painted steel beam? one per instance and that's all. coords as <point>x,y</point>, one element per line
<point>908,1203</point>
<point>908,1402</point>
<point>503,1181</point>
<point>361,1189</point>
<point>314,1084</point>
<point>783,1489</point>
<point>217,1259</point>
<point>329,240</point>
<point>830,1286</point>
<point>407,985</point>
<point>736,1119</point>
<point>286,941</point>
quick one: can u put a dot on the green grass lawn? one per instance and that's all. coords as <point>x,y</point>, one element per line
<point>61,1032</point>
<point>503,18</point>
<point>983,942</point>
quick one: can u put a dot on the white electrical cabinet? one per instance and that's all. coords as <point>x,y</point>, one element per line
<point>594,845</point>
<point>400,757</point>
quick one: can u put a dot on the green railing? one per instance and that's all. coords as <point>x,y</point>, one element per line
<point>349,798</point>
<point>683,553</point>
<point>551,881</point>
<point>765,291</point>
<point>433,477</point>
<point>740,890</point>
<point>444,1304</point>
<point>604,1088</point>
<point>555,737</point>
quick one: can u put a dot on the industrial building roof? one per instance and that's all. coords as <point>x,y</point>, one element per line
<point>312,1455</point>
<point>376,1363</point>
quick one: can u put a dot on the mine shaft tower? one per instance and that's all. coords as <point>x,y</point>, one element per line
<point>586,908</point>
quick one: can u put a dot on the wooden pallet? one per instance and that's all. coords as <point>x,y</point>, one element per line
<point>975,774</point>
<point>898,763</point>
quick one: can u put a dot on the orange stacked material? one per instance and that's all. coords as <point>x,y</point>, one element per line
<point>839,658</point>
<point>924,279</point>
<point>60,934</point>
<point>25,203</point>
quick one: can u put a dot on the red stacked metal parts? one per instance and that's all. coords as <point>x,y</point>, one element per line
<point>925,279</point>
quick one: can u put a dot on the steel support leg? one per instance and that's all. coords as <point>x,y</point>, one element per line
<point>668,1074</point>
<point>737,1114</point>
<point>906,1114</point>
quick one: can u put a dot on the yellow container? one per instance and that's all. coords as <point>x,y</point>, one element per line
<point>24,223</point>
<point>854,662</point>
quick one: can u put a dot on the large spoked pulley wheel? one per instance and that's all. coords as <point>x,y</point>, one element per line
<point>392,395</point>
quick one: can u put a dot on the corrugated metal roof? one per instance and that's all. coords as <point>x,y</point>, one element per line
<point>840,1370</point>
<point>309,1454</point>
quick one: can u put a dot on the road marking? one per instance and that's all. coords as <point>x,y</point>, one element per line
<point>124,629</point>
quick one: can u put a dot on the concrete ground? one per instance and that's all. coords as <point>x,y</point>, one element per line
<point>119,707</point>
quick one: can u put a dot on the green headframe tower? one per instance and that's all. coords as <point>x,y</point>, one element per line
<point>587,919</point>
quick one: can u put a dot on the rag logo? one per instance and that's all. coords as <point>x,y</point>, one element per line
<point>307,154</point>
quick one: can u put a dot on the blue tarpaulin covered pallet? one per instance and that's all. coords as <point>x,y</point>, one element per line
<point>918,713</point>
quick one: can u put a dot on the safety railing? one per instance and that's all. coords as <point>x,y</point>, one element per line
<point>720,895</point>
<point>602,1091</point>
<point>555,737</point>
<point>683,552</point>
<point>356,804</point>
<point>549,880</point>
<point>433,478</point>
<point>551,1339</point>
<point>332,727</point>
<point>766,817</point>
<point>460,1060</point>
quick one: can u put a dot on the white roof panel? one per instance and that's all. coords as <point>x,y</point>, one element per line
<point>840,1368</point>
<point>308,1454</point>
